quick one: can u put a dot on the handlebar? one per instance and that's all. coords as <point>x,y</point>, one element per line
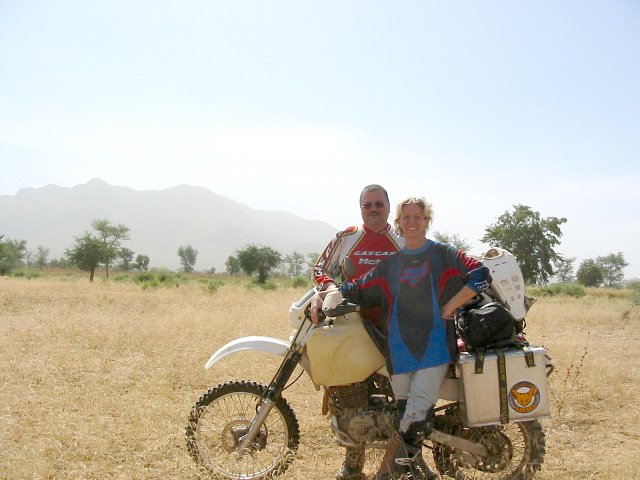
<point>339,310</point>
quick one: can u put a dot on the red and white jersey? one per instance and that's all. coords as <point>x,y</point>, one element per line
<point>364,247</point>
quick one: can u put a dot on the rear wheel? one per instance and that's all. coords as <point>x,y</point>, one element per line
<point>220,419</point>
<point>515,450</point>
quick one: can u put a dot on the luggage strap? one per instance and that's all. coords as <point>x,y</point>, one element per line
<point>480,354</point>
<point>502,374</point>
<point>502,387</point>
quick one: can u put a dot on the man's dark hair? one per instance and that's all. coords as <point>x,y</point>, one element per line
<point>374,187</point>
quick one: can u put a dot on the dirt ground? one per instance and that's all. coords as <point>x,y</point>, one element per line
<point>98,379</point>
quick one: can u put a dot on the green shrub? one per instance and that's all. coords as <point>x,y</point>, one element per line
<point>211,286</point>
<point>634,286</point>
<point>268,285</point>
<point>28,275</point>
<point>150,284</point>
<point>556,289</point>
<point>301,282</point>
<point>143,277</point>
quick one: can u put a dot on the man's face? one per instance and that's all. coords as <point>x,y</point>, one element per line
<point>374,209</point>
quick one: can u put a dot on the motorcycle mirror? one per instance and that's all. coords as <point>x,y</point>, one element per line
<point>348,269</point>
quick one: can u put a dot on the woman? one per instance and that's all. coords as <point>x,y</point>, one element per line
<point>419,289</point>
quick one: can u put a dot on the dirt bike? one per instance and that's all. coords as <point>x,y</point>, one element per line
<point>487,423</point>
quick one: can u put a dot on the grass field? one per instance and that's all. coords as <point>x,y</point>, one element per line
<point>98,379</point>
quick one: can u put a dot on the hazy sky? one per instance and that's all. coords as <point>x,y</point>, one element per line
<point>296,105</point>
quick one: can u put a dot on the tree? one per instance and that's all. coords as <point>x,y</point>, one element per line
<point>564,269</point>
<point>11,254</point>
<point>312,258</point>
<point>590,274</point>
<point>258,258</point>
<point>612,267</point>
<point>232,264</point>
<point>530,239</point>
<point>41,256</point>
<point>87,253</point>
<point>188,256</point>
<point>61,262</point>
<point>126,255</point>
<point>110,236</point>
<point>142,263</point>
<point>100,247</point>
<point>295,263</point>
<point>453,239</point>
<point>28,258</point>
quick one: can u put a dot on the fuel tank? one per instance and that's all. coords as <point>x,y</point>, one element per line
<point>342,353</point>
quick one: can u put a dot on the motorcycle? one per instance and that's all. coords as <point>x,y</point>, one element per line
<point>487,423</point>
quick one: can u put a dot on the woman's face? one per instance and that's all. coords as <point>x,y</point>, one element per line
<point>413,222</point>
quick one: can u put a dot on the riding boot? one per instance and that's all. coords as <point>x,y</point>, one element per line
<point>403,460</point>
<point>353,464</point>
<point>390,469</point>
<point>415,466</point>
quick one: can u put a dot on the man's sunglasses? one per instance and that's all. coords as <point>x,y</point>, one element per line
<point>368,205</point>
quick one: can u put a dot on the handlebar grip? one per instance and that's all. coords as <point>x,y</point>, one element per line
<point>341,309</point>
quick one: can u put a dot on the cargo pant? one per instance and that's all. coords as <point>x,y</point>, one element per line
<point>421,390</point>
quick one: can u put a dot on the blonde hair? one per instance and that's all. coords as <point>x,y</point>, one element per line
<point>427,211</point>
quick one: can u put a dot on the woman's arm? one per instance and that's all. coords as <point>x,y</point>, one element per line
<point>465,294</point>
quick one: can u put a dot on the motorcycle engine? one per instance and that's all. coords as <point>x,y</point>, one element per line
<point>363,417</point>
<point>371,425</point>
<point>362,427</point>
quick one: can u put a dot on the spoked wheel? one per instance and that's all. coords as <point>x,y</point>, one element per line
<point>222,417</point>
<point>515,451</point>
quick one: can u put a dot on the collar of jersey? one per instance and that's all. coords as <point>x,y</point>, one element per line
<point>421,249</point>
<point>384,230</point>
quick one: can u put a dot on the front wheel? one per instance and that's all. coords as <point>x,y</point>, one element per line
<point>515,451</point>
<point>220,419</point>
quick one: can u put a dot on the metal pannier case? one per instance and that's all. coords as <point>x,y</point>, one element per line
<point>502,386</point>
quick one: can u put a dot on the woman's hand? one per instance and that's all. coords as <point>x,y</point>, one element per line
<point>448,310</point>
<point>316,303</point>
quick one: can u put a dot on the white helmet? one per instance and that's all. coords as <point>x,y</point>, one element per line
<point>508,283</point>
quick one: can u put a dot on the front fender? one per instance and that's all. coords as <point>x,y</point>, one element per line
<point>265,344</point>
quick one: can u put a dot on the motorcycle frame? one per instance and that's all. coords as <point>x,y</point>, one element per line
<point>294,355</point>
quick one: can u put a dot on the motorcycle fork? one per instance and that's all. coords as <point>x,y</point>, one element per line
<point>269,399</point>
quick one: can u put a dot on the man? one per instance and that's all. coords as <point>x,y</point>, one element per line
<point>365,246</point>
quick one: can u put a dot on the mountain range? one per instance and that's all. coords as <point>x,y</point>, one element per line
<point>160,221</point>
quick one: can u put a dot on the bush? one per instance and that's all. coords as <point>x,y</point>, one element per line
<point>28,275</point>
<point>268,285</point>
<point>301,282</point>
<point>634,286</point>
<point>556,289</point>
<point>150,284</point>
<point>211,286</point>
<point>143,277</point>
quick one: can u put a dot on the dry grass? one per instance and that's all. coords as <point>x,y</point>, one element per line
<point>98,380</point>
